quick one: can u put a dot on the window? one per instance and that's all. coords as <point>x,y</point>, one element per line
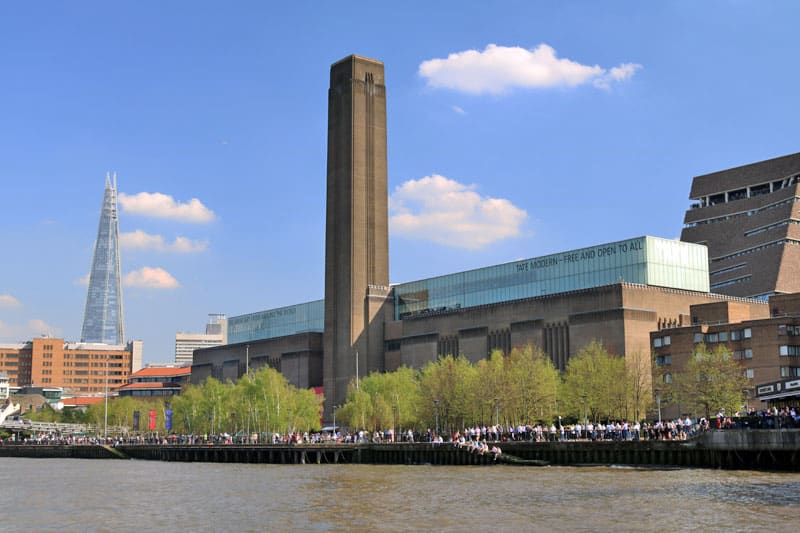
<point>712,337</point>
<point>723,336</point>
<point>790,371</point>
<point>662,360</point>
<point>747,333</point>
<point>667,340</point>
<point>667,378</point>
<point>698,338</point>
<point>790,351</point>
<point>657,342</point>
<point>736,335</point>
<point>749,374</point>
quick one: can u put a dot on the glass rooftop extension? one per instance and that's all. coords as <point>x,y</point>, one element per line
<point>644,260</point>
<point>290,320</point>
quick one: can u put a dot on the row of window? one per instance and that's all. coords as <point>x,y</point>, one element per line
<point>763,229</point>
<point>666,359</point>
<point>723,336</point>
<point>727,269</point>
<point>742,214</point>
<point>790,351</point>
<point>779,242</point>
<point>658,342</point>
<point>790,371</point>
<point>734,281</point>
<point>788,329</point>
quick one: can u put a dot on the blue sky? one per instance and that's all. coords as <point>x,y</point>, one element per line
<point>516,129</point>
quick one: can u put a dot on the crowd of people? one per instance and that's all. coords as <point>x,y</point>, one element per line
<point>476,437</point>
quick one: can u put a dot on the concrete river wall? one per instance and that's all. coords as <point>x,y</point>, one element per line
<point>746,449</point>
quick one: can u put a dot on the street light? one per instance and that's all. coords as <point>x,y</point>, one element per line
<point>394,422</point>
<point>247,359</point>
<point>584,411</point>
<point>496,411</point>
<point>658,401</point>
<point>436,408</point>
<point>334,423</point>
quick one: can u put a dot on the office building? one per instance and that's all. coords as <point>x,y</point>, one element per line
<point>186,343</point>
<point>103,319</point>
<point>79,368</point>
<point>749,217</point>
<point>158,381</point>
<point>764,338</point>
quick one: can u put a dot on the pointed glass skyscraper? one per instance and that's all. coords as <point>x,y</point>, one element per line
<point>102,320</point>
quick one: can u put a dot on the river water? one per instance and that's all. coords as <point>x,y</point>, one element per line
<point>111,495</point>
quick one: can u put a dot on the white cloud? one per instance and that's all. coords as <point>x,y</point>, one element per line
<point>444,211</point>
<point>6,300</point>
<point>150,278</point>
<point>82,281</point>
<point>458,110</point>
<point>623,72</point>
<point>499,68</point>
<point>139,240</point>
<point>24,332</point>
<point>160,205</point>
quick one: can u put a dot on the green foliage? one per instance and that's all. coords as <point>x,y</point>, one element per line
<point>712,381</point>
<point>261,402</point>
<point>599,379</point>
<point>453,382</point>
<point>383,400</point>
<point>525,383</point>
<point>45,414</point>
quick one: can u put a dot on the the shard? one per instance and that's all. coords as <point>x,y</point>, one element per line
<point>102,319</point>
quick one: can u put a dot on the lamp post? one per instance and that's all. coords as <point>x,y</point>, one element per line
<point>658,401</point>
<point>584,410</point>
<point>436,409</point>
<point>247,359</point>
<point>334,423</point>
<point>394,422</point>
<point>496,411</point>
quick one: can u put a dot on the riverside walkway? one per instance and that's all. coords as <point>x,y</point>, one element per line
<point>734,449</point>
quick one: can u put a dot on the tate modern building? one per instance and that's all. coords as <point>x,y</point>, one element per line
<point>615,293</point>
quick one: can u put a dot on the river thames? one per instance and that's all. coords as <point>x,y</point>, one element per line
<point>111,495</point>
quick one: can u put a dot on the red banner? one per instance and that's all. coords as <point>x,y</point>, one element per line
<point>152,425</point>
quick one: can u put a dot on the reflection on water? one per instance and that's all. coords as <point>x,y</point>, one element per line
<point>109,495</point>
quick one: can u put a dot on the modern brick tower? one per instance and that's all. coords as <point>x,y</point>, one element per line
<point>102,319</point>
<point>357,236</point>
<point>748,217</point>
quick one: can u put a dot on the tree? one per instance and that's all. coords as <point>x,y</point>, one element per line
<point>533,384</point>
<point>379,396</point>
<point>597,381</point>
<point>640,383</point>
<point>525,383</point>
<point>712,381</point>
<point>452,381</point>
